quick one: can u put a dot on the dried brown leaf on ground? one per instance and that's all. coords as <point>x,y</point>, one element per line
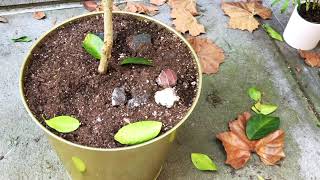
<point>3,20</point>
<point>114,8</point>
<point>242,14</point>
<point>236,143</point>
<point>158,2</point>
<point>90,5</point>
<point>188,5</point>
<point>311,58</point>
<point>142,8</point>
<point>183,12</point>
<point>270,148</point>
<point>39,15</point>
<point>238,147</point>
<point>210,55</point>
<point>184,22</point>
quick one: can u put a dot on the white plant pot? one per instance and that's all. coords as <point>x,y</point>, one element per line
<point>301,34</point>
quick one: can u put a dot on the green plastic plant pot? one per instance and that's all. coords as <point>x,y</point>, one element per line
<point>138,162</point>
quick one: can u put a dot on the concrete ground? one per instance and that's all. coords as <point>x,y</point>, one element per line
<point>251,60</point>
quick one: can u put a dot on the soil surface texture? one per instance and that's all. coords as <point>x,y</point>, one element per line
<point>62,79</point>
<point>312,15</point>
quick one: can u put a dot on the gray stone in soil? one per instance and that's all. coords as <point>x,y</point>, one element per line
<point>139,41</point>
<point>138,101</point>
<point>118,96</point>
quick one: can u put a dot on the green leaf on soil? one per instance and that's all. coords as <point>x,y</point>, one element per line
<point>63,124</point>
<point>22,39</point>
<point>93,44</point>
<point>138,132</point>
<point>272,32</point>
<point>285,6</point>
<point>254,94</point>
<point>203,162</point>
<point>259,126</point>
<point>79,164</point>
<point>136,60</point>
<point>265,108</point>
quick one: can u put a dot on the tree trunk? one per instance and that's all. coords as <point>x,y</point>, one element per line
<point>108,36</point>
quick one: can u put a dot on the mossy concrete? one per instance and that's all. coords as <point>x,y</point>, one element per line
<point>252,59</point>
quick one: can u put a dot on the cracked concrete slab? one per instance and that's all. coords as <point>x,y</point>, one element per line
<point>252,60</point>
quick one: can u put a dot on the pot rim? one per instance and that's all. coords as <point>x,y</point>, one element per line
<point>26,60</point>
<point>304,20</point>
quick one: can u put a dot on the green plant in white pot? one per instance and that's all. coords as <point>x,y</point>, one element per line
<point>303,29</point>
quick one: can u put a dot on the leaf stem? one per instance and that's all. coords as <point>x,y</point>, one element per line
<point>108,36</point>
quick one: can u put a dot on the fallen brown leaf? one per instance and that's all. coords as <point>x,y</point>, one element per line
<point>114,8</point>
<point>3,20</point>
<point>210,55</point>
<point>242,14</point>
<point>184,21</point>
<point>141,8</point>
<point>238,147</point>
<point>39,15</point>
<point>270,148</point>
<point>158,2</point>
<point>90,5</point>
<point>310,58</point>
<point>188,5</point>
<point>236,143</point>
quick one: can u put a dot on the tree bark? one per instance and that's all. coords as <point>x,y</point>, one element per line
<point>108,36</point>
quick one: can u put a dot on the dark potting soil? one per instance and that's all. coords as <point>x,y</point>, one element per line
<point>312,15</point>
<point>62,79</point>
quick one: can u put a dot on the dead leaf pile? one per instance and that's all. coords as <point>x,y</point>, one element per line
<point>311,58</point>
<point>136,7</point>
<point>239,147</point>
<point>210,55</point>
<point>242,14</point>
<point>39,15</point>
<point>183,12</point>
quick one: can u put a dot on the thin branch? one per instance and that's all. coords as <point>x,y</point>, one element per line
<point>108,36</point>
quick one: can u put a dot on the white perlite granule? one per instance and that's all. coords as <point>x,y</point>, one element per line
<point>166,97</point>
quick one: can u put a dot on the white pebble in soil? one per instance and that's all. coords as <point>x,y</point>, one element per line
<point>118,96</point>
<point>166,97</point>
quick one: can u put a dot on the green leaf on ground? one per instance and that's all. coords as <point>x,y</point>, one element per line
<point>138,132</point>
<point>254,94</point>
<point>259,126</point>
<point>285,6</point>
<point>203,162</point>
<point>63,124</point>
<point>253,108</point>
<point>260,177</point>
<point>318,124</point>
<point>22,39</point>
<point>93,44</point>
<point>265,108</point>
<point>79,164</point>
<point>136,60</point>
<point>272,32</point>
